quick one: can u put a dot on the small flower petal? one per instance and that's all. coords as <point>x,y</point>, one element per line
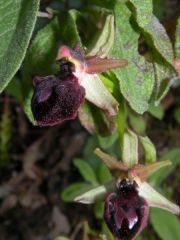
<point>155,199</point>
<point>97,193</point>
<point>97,64</point>
<point>111,162</point>
<point>145,171</point>
<point>97,93</point>
<point>75,55</point>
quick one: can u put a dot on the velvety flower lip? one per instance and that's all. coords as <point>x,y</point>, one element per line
<point>56,98</point>
<point>126,213</point>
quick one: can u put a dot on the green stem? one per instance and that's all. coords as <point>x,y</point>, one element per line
<point>121,120</point>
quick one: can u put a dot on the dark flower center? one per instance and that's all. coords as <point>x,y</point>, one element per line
<point>125,211</point>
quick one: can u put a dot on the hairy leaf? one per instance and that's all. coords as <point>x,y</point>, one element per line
<point>136,80</point>
<point>153,30</point>
<point>16,25</point>
<point>159,44</point>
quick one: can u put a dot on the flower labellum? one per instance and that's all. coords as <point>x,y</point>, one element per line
<point>126,213</point>
<point>56,99</point>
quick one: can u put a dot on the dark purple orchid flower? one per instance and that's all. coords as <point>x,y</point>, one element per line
<point>128,196</point>
<point>126,213</point>
<point>58,98</point>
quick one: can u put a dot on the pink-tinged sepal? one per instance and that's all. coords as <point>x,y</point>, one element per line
<point>73,55</point>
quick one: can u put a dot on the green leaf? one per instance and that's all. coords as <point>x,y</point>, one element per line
<point>130,148</point>
<point>149,149</point>
<point>69,30</point>
<point>86,171</point>
<point>138,238</point>
<point>153,30</point>
<point>104,39</point>
<point>16,25</point>
<point>165,77</point>
<point>172,155</point>
<point>137,122</point>
<point>136,80</point>
<point>89,155</point>
<point>74,190</point>
<point>5,135</point>
<point>165,224</point>
<point>107,142</point>
<point>159,44</point>
<point>106,231</point>
<point>159,8</point>
<point>14,88</point>
<point>42,53</point>
<point>99,209</point>
<point>156,111</point>
<point>104,174</point>
<point>41,56</point>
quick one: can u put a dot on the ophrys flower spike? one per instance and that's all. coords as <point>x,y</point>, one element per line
<point>128,197</point>
<point>58,97</point>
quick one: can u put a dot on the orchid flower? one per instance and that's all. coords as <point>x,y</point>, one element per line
<point>128,197</point>
<point>58,97</point>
